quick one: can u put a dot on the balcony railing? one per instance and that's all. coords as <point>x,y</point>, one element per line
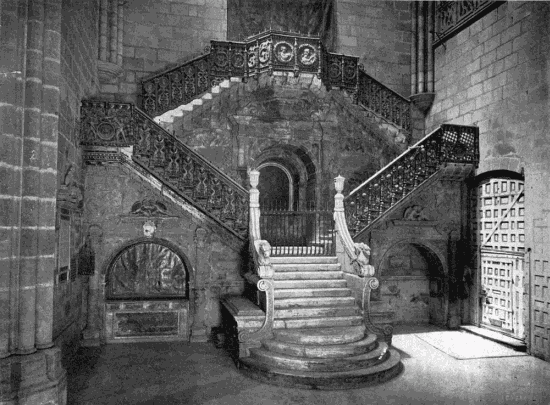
<point>181,169</point>
<point>447,144</point>
<point>270,52</point>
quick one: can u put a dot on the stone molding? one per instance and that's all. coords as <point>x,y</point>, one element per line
<point>108,71</point>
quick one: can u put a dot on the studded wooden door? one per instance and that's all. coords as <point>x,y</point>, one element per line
<point>500,237</point>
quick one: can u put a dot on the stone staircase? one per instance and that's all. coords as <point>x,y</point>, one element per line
<point>319,339</point>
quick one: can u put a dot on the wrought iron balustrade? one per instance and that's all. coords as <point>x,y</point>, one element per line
<point>186,172</point>
<point>306,232</point>
<point>270,52</point>
<point>447,144</point>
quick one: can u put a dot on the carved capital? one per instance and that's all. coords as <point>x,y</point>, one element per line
<point>108,71</point>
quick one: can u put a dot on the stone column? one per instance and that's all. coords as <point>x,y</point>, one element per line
<point>30,40</point>
<point>111,31</point>
<point>422,77</point>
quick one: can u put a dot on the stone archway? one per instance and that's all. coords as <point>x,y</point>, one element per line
<point>413,284</point>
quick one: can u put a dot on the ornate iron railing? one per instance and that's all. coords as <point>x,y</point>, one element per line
<point>307,232</point>
<point>453,16</point>
<point>374,96</point>
<point>181,169</point>
<point>270,52</point>
<point>447,144</point>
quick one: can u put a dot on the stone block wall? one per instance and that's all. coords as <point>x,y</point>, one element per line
<point>158,34</point>
<point>214,254</point>
<point>379,33</point>
<point>494,74</point>
<point>78,81</point>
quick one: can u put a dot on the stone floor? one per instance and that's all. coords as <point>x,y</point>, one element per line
<point>198,373</point>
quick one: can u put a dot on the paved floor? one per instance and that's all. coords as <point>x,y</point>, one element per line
<point>198,373</point>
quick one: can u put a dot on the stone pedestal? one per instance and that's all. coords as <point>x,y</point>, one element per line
<point>33,379</point>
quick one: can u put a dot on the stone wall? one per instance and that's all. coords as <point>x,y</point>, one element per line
<point>214,254</point>
<point>238,128</point>
<point>494,74</point>
<point>78,81</point>
<point>379,33</point>
<point>158,34</point>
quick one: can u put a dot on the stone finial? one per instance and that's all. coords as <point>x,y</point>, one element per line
<point>339,184</point>
<point>254,176</point>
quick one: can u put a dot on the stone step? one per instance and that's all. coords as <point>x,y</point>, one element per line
<point>313,301</point>
<point>308,275</point>
<point>355,362</point>
<point>290,267</point>
<point>322,322</point>
<point>316,312</point>
<point>304,259</point>
<point>327,380</point>
<point>312,292</point>
<point>362,346</point>
<point>300,284</point>
<point>321,336</point>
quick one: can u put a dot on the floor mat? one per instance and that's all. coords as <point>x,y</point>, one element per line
<point>463,345</point>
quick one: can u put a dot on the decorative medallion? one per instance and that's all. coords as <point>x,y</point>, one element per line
<point>221,59</point>
<point>307,55</point>
<point>105,131</point>
<point>284,52</point>
<point>238,60</point>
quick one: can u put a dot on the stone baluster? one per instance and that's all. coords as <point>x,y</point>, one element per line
<point>354,258</point>
<point>263,276</point>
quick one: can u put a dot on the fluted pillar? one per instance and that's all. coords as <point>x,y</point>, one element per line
<point>422,78</point>
<point>111,30</point>
<point>30,43</point>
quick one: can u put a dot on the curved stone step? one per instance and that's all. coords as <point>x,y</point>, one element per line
<point>336,283</point>
<point>285,361</point>
<point>312,292</point>
<point>308,275</point>
<point>316,312</point>
<point>328,380</point>
<point>290,267</point>
<point>362,346</point>
<point>321,336</point>
<point>323,322</point>
<point>313,301</point>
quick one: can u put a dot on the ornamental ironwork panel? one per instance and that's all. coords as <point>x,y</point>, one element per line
<point>449,144</point>
<point>383,101</point>
<point>453,16</point>
<point>186,172</point>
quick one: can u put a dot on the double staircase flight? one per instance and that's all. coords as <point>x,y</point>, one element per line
<point>308,323</point>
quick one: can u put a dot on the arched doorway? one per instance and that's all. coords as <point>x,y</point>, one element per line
<point>276,186</point>
<point>412,284</point>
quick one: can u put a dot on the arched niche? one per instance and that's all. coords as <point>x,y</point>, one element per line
<point>277,186</point>
<point>413,283</point>
<point>146,292</point>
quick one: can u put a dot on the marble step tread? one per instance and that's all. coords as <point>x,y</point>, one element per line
<point>324,336</point>
<point>285,361</point>
<point>322,351</point>
<point>312,292</point>
<point>304,260</point>
<point>281,303</point>
<point>315,283</point>
<point>316,312</point>
<point>300,267</point>
<point>318,322</point>
<point>308,275</point>
<point>324,380</point>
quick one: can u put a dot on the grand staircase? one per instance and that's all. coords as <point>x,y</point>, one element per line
<point>309,323</point>
<point>319,339</point>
